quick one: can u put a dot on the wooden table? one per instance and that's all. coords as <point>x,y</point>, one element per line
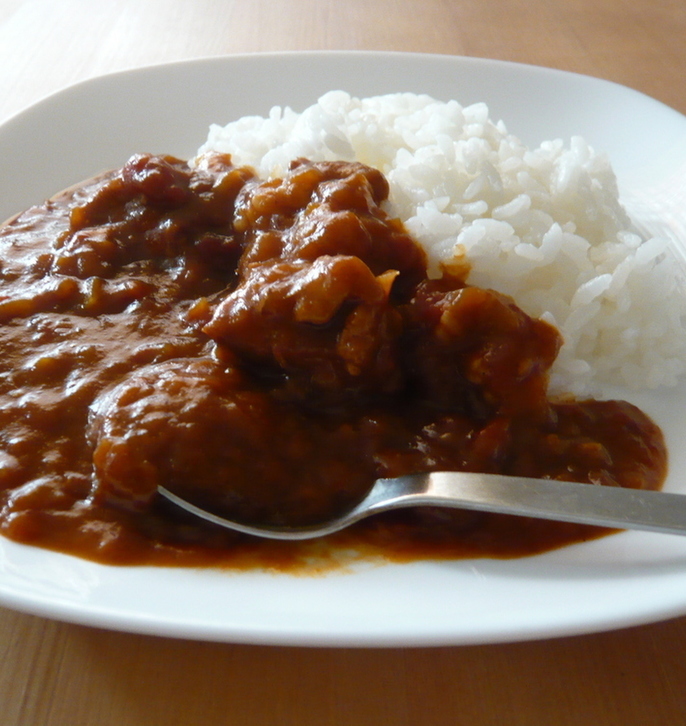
<point>54,674</point>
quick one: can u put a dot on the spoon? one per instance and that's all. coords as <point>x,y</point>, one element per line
<point>542,498</point>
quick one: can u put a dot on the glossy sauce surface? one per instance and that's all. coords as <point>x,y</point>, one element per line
<point>268,349</point>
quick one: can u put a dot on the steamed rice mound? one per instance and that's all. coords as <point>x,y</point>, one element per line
<point>543,225</point>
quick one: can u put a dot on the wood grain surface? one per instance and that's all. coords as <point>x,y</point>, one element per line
<point>56,674</point>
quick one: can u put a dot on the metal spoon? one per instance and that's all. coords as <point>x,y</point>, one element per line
<point>542,498</point>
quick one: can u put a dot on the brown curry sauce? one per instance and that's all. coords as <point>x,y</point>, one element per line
<point>268,349</point>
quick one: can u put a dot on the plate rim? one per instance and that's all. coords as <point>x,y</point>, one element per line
<point>220,58</point>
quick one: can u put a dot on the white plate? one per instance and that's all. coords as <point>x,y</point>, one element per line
<point>626,579</point>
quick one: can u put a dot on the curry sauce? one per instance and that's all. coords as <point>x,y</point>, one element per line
<point>267,349</point>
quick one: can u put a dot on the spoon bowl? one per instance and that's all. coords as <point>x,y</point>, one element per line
<point>562,501</point>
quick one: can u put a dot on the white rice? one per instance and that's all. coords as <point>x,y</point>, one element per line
<point>543,225</point>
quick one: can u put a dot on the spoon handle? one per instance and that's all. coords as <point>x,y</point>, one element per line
<point>563,501</point>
